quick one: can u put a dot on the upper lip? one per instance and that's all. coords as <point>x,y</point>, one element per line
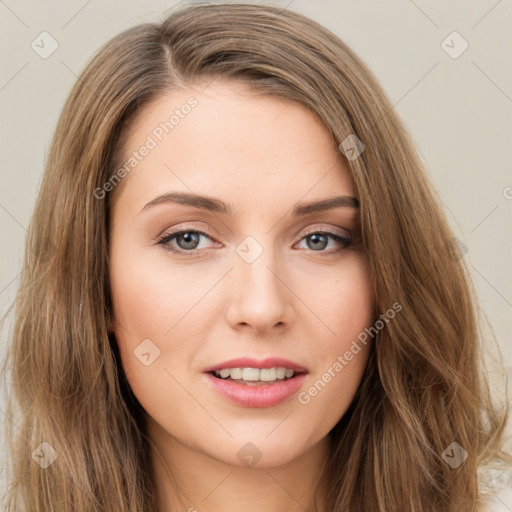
<point>248,362</point>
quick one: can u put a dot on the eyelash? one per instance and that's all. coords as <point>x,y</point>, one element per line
<point>167,237</point>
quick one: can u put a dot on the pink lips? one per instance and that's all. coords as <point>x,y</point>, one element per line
<point>262,395</point>
<point>265,395</point>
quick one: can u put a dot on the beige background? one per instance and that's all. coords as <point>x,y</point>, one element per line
<point>458,110</point>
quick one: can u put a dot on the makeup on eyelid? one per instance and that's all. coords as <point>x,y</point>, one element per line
<point>344,241</point>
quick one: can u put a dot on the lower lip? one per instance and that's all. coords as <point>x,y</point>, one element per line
<point>263,395</point>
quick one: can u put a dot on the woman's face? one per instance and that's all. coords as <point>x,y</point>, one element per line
<point>248,277</point>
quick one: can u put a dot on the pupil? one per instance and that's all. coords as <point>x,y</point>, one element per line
<point>189,235</point>
<point>316,237</point>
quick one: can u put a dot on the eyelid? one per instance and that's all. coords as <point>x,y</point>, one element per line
<point>345,233</point>
<point>208,231</point>
<point>187,227</point>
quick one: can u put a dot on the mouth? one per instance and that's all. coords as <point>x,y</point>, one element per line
<point>252,390</point>
<point>251,382</point>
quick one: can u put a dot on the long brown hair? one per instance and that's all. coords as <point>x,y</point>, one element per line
<point>424,387</point>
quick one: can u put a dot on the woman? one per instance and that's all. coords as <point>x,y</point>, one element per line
<point>253,368</point>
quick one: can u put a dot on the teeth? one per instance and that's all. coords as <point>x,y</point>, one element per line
<point>251,374</point>
<point>235,373</point>
<point>255,374</point>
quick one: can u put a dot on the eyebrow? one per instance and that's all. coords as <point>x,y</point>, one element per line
<point>217,206</point>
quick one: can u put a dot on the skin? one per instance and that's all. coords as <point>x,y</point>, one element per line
<point>302,299</point>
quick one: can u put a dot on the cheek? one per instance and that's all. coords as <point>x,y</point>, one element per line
<point>139,301</point>
<point>153,301</point>
<point>345,301</point>
<point>148,297</point>
<point>355,314</point>
<point>145,309</point>
<point>142,304</point>
<point>347,308</point>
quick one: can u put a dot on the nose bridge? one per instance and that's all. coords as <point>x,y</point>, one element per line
<point>259,296</point>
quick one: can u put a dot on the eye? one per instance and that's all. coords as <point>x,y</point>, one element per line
<point>188,241</point>
<point>318,240</point>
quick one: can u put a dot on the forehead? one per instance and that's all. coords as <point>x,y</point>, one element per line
<point>229,142</point>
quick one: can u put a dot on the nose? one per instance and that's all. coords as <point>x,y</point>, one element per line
<point>259,296</point>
